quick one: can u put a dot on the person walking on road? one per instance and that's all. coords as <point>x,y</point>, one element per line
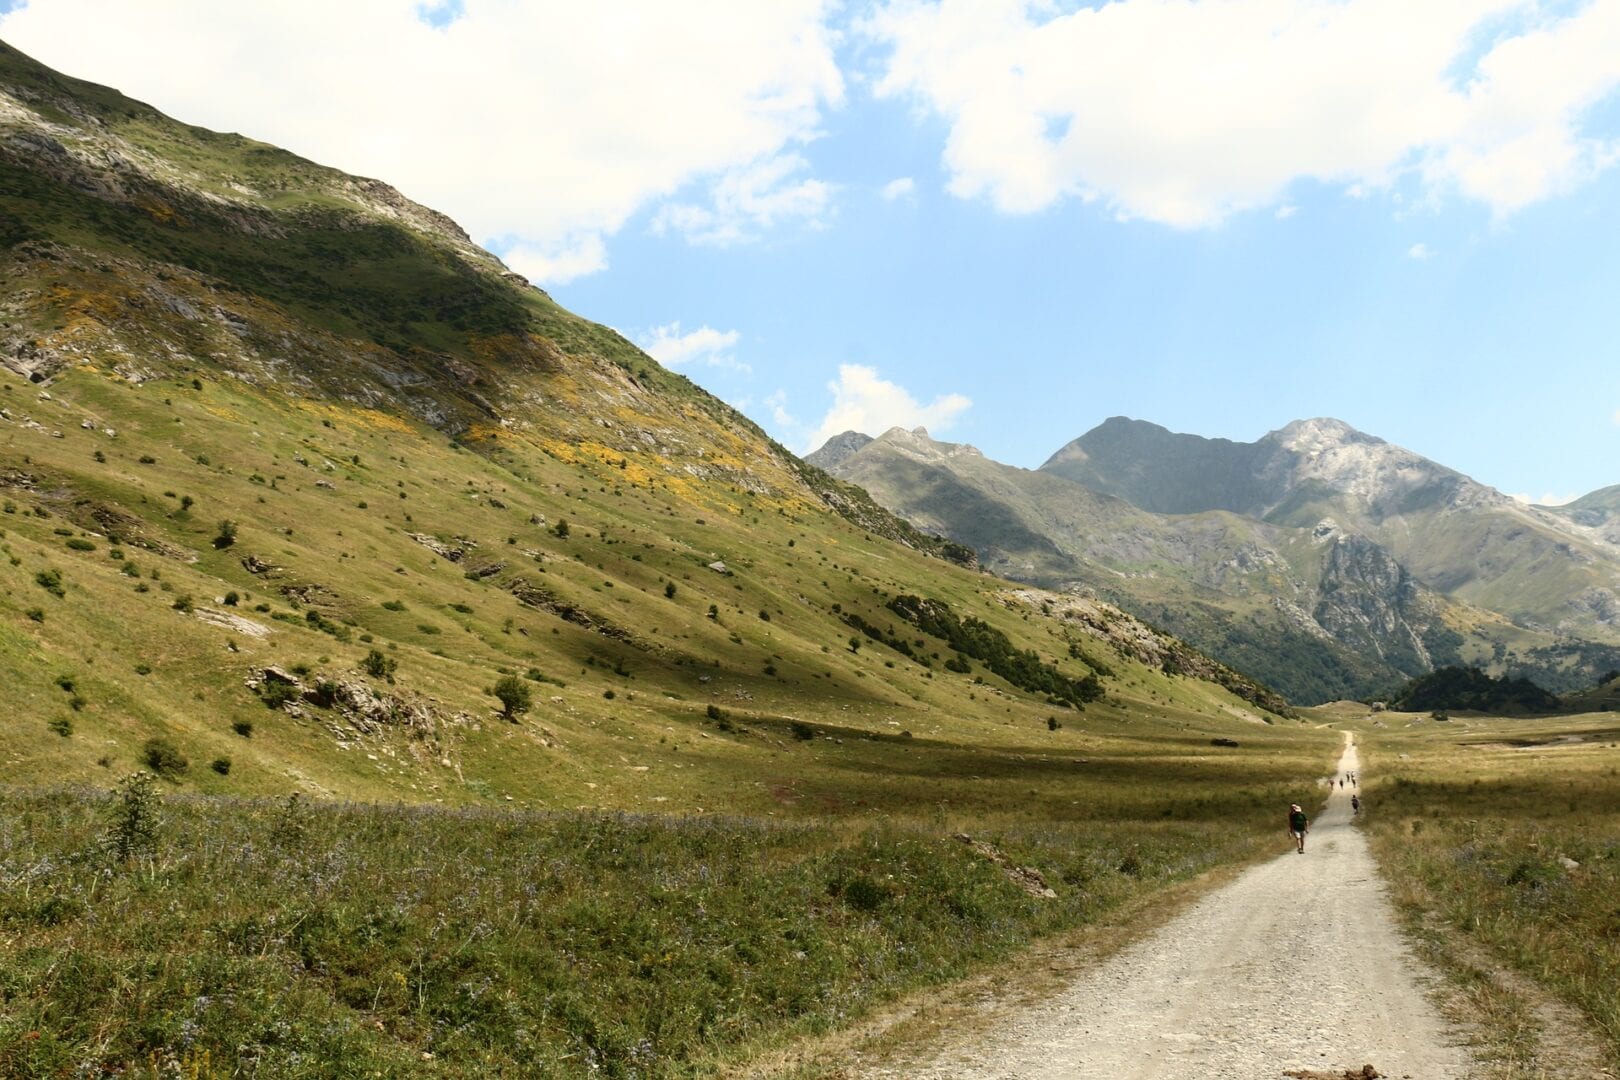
<point>1355,803</point>
<point>1298,825</point>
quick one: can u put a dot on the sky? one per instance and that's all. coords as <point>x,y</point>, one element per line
<point>1002,220</point>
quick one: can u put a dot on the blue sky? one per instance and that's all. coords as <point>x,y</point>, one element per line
<point>1004,221</point>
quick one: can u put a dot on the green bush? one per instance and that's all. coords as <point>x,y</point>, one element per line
<point>514,696</point>
<point>163,757</point>
<point>51,582</point>
<point>221,765</point>
<point>379,665</point>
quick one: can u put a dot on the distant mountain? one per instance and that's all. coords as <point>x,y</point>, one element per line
<point>837,449</point>
<point>1320,559</point>
<point>1599,512</point>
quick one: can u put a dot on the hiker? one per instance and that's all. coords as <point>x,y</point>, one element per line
<point>1355,804</point>
<point>1298,825</point>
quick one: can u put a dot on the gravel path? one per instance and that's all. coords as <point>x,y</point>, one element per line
<point>1296,966</point>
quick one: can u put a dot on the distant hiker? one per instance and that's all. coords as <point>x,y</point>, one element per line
<point>1341,783</point>
<point>1355,803</point>
<point>1298,825</point>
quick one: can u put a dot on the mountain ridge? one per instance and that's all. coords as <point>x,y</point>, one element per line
<point>1315,537</point>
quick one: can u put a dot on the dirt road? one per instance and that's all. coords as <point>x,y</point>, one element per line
<point>1295,967</point>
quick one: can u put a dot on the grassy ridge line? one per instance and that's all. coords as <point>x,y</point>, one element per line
<point>1478,822</point>
<point>313,940</point>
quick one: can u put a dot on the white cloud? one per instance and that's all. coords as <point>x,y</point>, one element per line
<point>546,123</point>
<point>1286,211</point>
<point>748,201</point>
<point>865,401</point>
<point>779,411</point>
<point>1419,252</point>
<point>1186,112</point>
<point>560,262</point>
<point>705,345</point>
<point>1549,499</point>
<point>901,187</point>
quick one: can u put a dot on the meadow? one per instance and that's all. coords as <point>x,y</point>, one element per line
<point>161,934</point>
<point>1501,840</point>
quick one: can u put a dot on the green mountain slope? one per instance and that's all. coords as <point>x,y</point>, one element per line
<point>293,475</point>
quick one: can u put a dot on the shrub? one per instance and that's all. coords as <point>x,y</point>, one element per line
<point>243,728</point>
<point>183,603</point>
<point>163,757</point>
<point>129,569</point>
<point>81,545</point>
<point>37,614</point>
<point>275,693</point>
<point>221,765</point>
<point>715,712</point>
<point>803,731</point>
<point>393,605</point>
<point>669,590</point>
<point>51,582</point>
<point>143,669</point>
<point>561,528</point>
<point>325,693</point>
<point>227,534</point>
<point>513,695</point>
<point>231,598</point>
<point>62,726</point>
<point>379,665</point>
<point>148,459</point>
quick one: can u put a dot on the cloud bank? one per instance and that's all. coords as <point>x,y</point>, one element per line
<point>541,126</point>
<point>865,401</point>
<point>1187,111</point>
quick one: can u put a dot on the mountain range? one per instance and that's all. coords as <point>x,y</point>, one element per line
<point>1320,559</point>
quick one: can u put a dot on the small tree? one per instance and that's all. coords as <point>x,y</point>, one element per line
<point>561,528</point>
<point>227,534</point>
<point>133,821</point>
<point>513,694</point>
<point>669,590</point>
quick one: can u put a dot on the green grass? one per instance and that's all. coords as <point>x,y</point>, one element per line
<point>301,939</point>
<point>1472,821</point>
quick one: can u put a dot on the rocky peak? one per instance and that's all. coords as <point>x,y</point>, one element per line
<point>837,449</point>
<point>1316,435</point>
